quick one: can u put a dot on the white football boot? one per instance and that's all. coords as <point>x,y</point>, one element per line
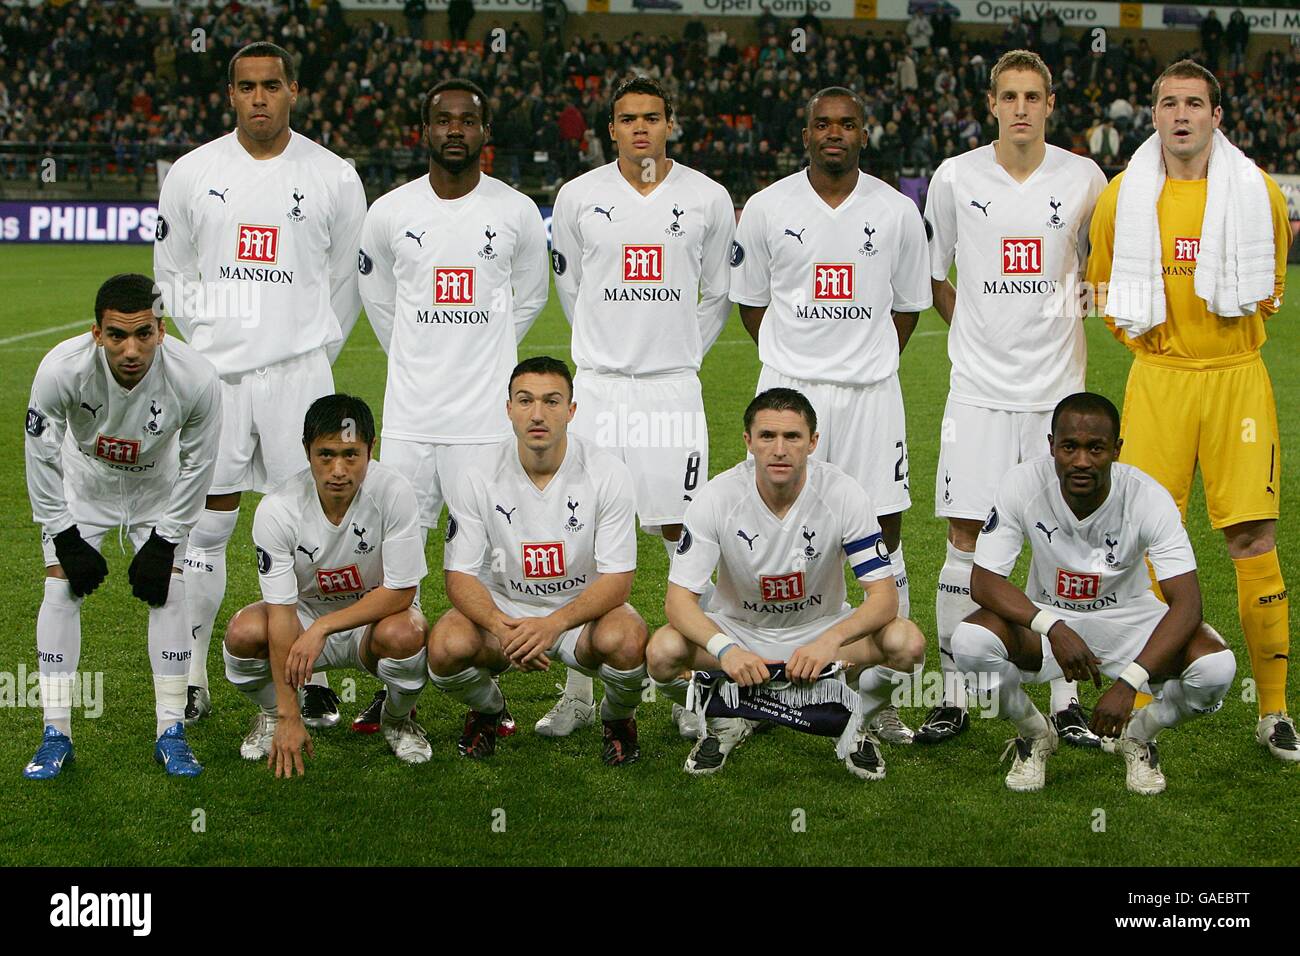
<point>688,724</point>
<point>568,714</point>
<point>405,737</point>
<point>1028,771</point>
<point>1142,766</point>
<point>257,744</point>
<point>1277,733</point>
<point>722,736</point>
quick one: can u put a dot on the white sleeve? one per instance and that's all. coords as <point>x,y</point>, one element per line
<point>376,280</point>
<point>1003,534</point>
<point>566,250</point>
<point>911,276</point>
<point>864,547</point>
<point>941,218</point>
<point>529,271</point>
<point>345,241</point>
<point>715,279</point>
<point>1168,546</point>
<point>199,439</point>
<point>698,551</point>
<point>616,523</point>
<point>47,420</point>
<point>175,256</point>
<point>751,263</point>
<point>467,538</point>
<point>273,539</point>
<point>404,564</point>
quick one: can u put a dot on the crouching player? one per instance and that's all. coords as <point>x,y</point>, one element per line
<point>775,527</point>
<point>1088,608</point>
<point>540,556</point>
<point>339,555</point>
<point>122,432</point>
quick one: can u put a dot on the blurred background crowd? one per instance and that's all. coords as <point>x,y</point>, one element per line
<point>111,87</point>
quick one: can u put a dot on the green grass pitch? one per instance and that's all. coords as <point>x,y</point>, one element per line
<point>783,798</point>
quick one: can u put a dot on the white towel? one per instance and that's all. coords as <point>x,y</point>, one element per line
<point>1234,268</point>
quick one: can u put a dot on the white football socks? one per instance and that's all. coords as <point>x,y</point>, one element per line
<point>170,651</point>
<point>1064,693</point>
<point>622,691</point>
<point>205,583</point>
<point>473,687</point>
<point>1198,691</point>
<point>952,604</point>
<point>674,690</point>
<point>900,580</point>
<point>252,678</point>
<point>579,685</point>
<point>58,650</point>
<point>404,678</point>
<point>979,650</point>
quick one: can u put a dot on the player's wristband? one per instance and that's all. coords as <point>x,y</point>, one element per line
<point>719,643</point>
<point>1043,621</point>
<point>1135,675</point>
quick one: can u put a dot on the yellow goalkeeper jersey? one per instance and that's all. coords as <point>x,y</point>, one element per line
<point>1191,336</point>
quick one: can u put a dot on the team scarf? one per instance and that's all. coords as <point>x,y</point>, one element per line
<point>827,707</point>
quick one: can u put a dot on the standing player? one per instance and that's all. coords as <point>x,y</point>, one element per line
<point>1088,608</point>
<point>1014,216</point>
<point>1225,417</point>
<point>339,557</point>
<point>256,251</point>
<point>809,250</point>
<point>639,250</point>
<point>122,432</point>
<point>540,556</point>
<point>778,528</point>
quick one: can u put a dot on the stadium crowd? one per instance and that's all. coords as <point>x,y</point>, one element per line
<point>73,75</point>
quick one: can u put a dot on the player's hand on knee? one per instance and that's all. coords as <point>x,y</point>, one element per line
<point>286,748</point>
<point>1077,661</point>
<point>1112,710</point>
<point>84,566</point>
<point>530,640</point>
<point>150,573</point>
<point>744,667</point>
<point>809,660</point>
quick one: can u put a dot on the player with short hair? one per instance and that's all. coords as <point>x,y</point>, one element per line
<point>830,270</point>
<point>1088,609</point>
<point>1225,416</point>
<point>454,271</point>
<point>339,556</point>
<point>122,430</point>
<point>639,251</point>
<point>1014,217</point>
<point>775,527</point>
<point>256,250</point>
<point>540,556</point>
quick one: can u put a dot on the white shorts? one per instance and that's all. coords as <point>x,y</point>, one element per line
<point>1115,637</point>
<point>776,644</point>
<point>262,415</point>
<point>977,447</point>
<point>427,466</point>
<point>863,432</point>
<point>656,426</point>
<point>564,649</point>
<point>342,649</point>
<point>99,505</point>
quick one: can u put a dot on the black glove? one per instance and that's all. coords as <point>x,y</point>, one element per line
<point>150,573</point>
<point>84,566</point>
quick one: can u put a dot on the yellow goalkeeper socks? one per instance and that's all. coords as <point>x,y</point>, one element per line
<point>1264,609</point>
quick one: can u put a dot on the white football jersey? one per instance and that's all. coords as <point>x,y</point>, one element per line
<point>83,427</point>
<point>304,558</point>
<point>779,573</point>
<point>830,278</point>
<point>1017,339</point>
<point>1097,564</point>
<point>642,279</point>
<point>257,258</point>
<point>541,548</point>
<point>450,287</point>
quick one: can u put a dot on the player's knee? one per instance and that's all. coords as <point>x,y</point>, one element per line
<point>905,647</point>
<point>665,654</point>
<point>399,636</point>
<point>1207,680</point>
<point>246,634</point>
<point>973,645</point>
<point>964,533</point>
<point>621,642</point>
<point>453,641</point>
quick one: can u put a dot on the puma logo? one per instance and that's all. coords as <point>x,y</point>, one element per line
<point>508,513</point>
<point>798,235</point>
<point>607,213</point>
<point>311,555</point>
<point>1043,528</point>
<point>748,540</point>
<point>93,411</point>
<point>220,195</point>
<point>984,208</point>
<point>411,235</point>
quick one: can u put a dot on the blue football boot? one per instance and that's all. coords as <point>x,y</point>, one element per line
<point>55,750</point>
<point>174,753</point>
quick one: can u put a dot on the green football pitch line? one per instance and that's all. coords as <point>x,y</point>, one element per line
<point>782,799</point>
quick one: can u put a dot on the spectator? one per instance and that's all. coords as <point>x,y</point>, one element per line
<point>906,76</point>
<point>1211,36</point>
<point>459,14</point>
<point>1237,36</point>
<point>414,11</point>
<point>919,31</point>
<point>1103,144</point>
